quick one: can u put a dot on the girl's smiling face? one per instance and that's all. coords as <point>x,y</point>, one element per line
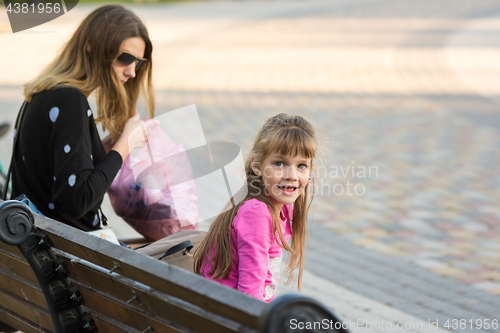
<point>285,177</point>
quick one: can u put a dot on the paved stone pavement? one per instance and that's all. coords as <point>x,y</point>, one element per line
<point>406,223</point>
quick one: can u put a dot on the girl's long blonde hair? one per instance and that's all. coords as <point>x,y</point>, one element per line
<point>286,135</point>
<point>85,63</point>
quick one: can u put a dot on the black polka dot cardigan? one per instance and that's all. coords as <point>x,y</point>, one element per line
<point>60,162</point>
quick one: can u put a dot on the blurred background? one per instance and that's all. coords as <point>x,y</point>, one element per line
<point>407,95</point>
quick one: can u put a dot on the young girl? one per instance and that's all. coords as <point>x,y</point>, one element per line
<point>243,247</point>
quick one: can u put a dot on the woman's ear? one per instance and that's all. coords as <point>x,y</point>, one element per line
<point>87,47</point>
<point>255,166</point>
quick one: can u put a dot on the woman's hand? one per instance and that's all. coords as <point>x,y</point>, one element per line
<point>133,136</point>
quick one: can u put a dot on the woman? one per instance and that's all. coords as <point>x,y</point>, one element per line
<point>60,163</point>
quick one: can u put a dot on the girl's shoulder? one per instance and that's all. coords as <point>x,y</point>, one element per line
<point>254,206</point>
<point>258,207</point>
<point>252,215</point>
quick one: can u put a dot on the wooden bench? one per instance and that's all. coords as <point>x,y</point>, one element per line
<point>54,278</point>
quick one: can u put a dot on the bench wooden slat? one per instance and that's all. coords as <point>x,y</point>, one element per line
<point>116,310</point>
<point>17,266</point>
<point>108,325</point>
<point>22,288</point>
<point>30,311</point>
<point>150,301</point>
<point>11,250</point>
<point>158,275</point>
<point>14,320</point>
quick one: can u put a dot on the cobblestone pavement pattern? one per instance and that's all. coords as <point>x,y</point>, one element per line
<point>406,224</point>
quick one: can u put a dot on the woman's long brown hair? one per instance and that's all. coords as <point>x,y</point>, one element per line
<point>85,62</point>
<point>286,135</point>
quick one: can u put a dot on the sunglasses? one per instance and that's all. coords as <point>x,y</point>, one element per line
<point>126,59</point>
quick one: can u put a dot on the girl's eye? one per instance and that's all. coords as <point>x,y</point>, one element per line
<point>279,164</point>
<point>302,166</point>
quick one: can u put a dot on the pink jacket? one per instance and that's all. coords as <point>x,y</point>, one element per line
<point>256,255</point>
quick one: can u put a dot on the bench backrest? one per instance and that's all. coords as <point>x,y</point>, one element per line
<point>61,279</point>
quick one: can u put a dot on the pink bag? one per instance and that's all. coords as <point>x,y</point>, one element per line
<point>155,191</point>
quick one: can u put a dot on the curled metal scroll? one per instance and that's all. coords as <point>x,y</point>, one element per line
<point>295,313</point>
<point>17,228</point>
<point>16,222</point>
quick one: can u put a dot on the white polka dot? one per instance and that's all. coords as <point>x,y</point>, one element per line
<point>67,148</point>
<point>92,157</point>
<point>96,220</point>
<point>51,206</point>
<point>72,180</point>
<point>54,178</point>
<point>89,112</point>
<point>23,158</point>
<point>53,113</point>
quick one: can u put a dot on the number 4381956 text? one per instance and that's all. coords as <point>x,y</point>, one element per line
<point>40,8</point>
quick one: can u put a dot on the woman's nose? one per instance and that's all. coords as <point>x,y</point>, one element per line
<point>130,70</point>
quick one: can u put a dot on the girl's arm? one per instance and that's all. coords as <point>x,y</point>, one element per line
<point>254,238</point>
